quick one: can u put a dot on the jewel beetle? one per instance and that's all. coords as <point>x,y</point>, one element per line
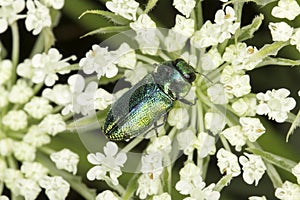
<point>150,99</point>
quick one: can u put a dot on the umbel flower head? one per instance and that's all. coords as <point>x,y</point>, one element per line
<point>211,113</point>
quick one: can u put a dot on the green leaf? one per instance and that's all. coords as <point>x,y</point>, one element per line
<point>268,50</point>
<point>223,182</point>
<point>279,161</point>
<point>150,5</point>
<point>247,32</point>
<point>295,124</point>
<point>278,61</point>
<point>105,30</point>
<point>117,19</point>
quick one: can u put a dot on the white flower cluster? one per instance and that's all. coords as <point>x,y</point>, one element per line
<point>153,163</point>
<point>37,15</point>
<point>212,34</point>
<point>191,183</point>
<point>253,166</point>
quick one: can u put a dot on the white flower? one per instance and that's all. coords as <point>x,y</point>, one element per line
<point>85,101</point>
<point>38,17</point>
<point>83,98</point>
<point>235,136</point>
<point>191,183</point>
<point>214,121</point>
<point>295,40</point>
<point>56,4</point>
<point>103,99</point>
<point>3,97</point>
<point>211,60</point>
<point>205,144</point>
<point>107,195</point>
<point>161,144</point>
<point>206,36</point>
<point>53,124</point>
<point>23,151</point>
<point>145,29</point>
<point>212,34</point>
<point>257,198</point>
<point>110,163</point>
<point>163,196</point>
<point>6,146</point>
<point>65,159</point>
<point>178,117</point>
<point>280,31</point>
<point>190,171</point>
<point>28,188</point>
<point>34,170</point>
<point>38,107</point>
<point>179,34</point>
<point>36,137</point>
<point>245,106</point>
<point>99,60</point>
<point>241,56</point>
<point>228,162</point>
<point>288,191</point>
<point>125,8</point>
<point>5,70</point>
<point>276,104</point>
<point>253,168</point>
<point>126,56</point>
<point>15,120</point>
<point>239,85</point>
<point>184,6</point>
<point>56,187</point>
<point>45,66</point>
<point>147,186</point>
<point>296,172</point>
<point>20,92</point>
<point>252,128</point>
<point>186,141</point>
<point>288,9</point>
<point>9,13</point>
<point>152,164</point>
<point>3,197</point>
<point>10,177</point>
<point>3,167</point>
<point>216,94</point>
<point>135,75</point>
<point>59,94</point>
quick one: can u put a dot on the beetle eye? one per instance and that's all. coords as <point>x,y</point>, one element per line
<point>190,77</point>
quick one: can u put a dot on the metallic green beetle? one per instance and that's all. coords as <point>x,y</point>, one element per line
<point>150,99</point>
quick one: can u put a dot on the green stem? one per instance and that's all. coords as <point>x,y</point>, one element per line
<point>15,51</point>
<point>199,13</point>
<point>131,187</point>
<point>118,187</point>
<point>146,59</point>
<point>225,143</point>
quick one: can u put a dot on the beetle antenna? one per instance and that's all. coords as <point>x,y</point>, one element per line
<point>204,76</point>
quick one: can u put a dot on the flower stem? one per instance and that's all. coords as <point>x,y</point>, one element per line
<point>15,51</point>
<point>131,187</point>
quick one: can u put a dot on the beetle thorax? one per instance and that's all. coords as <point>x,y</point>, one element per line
<point>171,81</point>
